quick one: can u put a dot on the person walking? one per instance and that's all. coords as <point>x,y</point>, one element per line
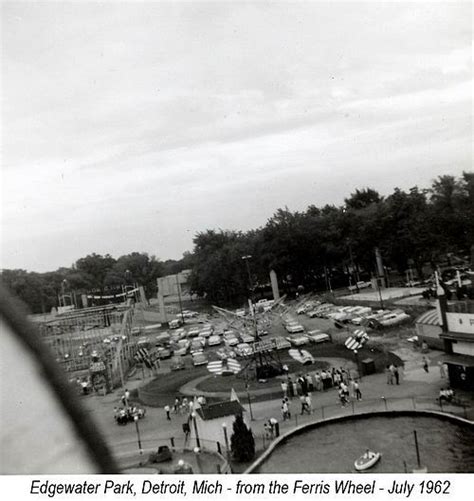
<point>388,374</point>
<point>284,389</point>
<point>167,410</point>
<point>358,393</point>
<point>397,375</point>
<point>392,373</point>
<point>425,364</point>
<point>442,372</point>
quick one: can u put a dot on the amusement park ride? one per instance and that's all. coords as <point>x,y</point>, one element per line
<point>264,362</point>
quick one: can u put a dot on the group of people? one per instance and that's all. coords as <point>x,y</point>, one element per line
<point>317,381</point>
<point>393,374</point>
<point>446,394</point>
<point>271,428</point>
<point>184,406</point>
<point>124,415</point>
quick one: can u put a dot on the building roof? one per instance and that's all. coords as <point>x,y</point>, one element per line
<point>458,336</point>
<point>221,409</point>
<point>458,359</point>
<point>430,317</point>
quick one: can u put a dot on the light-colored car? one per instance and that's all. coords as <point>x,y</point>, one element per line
<point>246,338</point>
<point>243,350</point>
<point>294,327</point>
<point>176,323</point>
<point>190,314</point>
<point>225,352</point>
<point>197,344</point>
<point>360,285</point>
<point>394,318</point>
<point>205,332</point>
<point>199,358</point>
<point>214,340</point>
<point>163,353</point>
<point>230,340</point>
<point>298,340</point>
<point>317,336</point>
<point>193,332</point>
<point>181,347</point>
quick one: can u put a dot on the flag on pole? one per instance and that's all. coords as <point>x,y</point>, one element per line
<point>234,396</point>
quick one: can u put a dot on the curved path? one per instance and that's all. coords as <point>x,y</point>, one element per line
<point>190,389</point>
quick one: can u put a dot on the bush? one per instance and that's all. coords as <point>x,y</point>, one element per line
<point>242,443</point>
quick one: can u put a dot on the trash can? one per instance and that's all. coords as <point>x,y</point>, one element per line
<point>368,366</point>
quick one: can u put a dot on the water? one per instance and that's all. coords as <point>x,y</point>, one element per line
<point>445,446</point>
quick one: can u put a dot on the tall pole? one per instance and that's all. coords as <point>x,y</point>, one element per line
<point>248,398</point>
<point>226,438</point>
<point>417,449</point>
<point>198,443</point>
<point>138,435</point>
<point>252,310</point>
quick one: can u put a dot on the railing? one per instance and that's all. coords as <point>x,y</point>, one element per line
<point>355,407</point>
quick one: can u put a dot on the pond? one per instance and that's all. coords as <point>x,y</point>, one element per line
<point>445,446</point>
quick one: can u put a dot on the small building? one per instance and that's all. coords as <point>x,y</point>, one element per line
<point>211,418</point>
<point>428,329</point>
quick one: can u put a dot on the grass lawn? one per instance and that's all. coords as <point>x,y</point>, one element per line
<point>164,388</point>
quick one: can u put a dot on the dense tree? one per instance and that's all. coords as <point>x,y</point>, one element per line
<point>242,442</point>
<point>310,248</point>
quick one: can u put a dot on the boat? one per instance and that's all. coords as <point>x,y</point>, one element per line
<point>367,460</point>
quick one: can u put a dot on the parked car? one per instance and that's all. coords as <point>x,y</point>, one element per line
<point>230,340</point>
<point>193,332</point>
<point>225,352</point>
<point>199,358</point>
<point>294,327</point>
<point>394,318</point>
<point>197,344</point>
<point>181,347</point>
<point>214,340</point>
<point>190,314</point>
<point>298,340</point>
<point>176,323</point>
<point>360,285</point>
<point>317,336</point>
<point>163,353</point>
<point>280,343</point>
<point>246,338</point>
<point>205,331</point>
<point>243,350</point>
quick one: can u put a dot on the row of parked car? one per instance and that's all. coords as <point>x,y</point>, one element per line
<point>356,315</point>
<point>195,339</point>
<point>301,337</point>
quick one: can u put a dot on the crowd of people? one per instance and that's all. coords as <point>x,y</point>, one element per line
<point>305,384</point>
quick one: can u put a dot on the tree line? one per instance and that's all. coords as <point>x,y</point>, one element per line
<point>335,244</point>
<point>97,274</point>
<point>310,248</point>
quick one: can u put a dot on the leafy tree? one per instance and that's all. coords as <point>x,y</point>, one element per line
<point>242,443</point>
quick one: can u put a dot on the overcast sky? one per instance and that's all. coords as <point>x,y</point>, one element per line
<point>132,126</point>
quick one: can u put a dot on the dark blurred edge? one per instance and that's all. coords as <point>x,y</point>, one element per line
<point>14,312</point>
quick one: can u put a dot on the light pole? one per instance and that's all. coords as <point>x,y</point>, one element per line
<point>248,399</point>
<point>138,435</point>
<point>226,438</point>
<point>198,443</point>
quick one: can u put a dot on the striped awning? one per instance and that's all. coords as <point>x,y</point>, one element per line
<point>357,340</point>
<point>228,366</point>
<point>430,317</point>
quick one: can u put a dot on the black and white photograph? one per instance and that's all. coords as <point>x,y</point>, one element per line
<point>237,237</point>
